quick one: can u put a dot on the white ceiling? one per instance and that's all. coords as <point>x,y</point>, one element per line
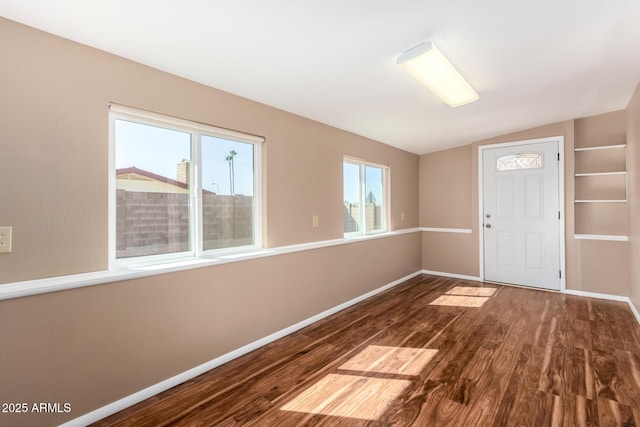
<point>532,63</point>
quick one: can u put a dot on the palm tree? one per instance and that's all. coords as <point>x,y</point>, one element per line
<point>229,159</point>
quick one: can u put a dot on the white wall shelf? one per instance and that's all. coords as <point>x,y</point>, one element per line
<point>602,237</point>
<point>601,147</point>
<point>602,173</point>
<point>601,201</point>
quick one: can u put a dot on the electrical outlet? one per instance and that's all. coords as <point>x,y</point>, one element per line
<point>5,240</point>
<point>401,216</point>
<point>316,221</point>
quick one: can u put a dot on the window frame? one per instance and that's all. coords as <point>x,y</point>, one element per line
<point>362,164</point>
<point>196,130</point>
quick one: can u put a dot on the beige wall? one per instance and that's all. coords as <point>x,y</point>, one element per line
<point>455,253</point>
<point>586,270</point>
<point>91,346</point>
<point>633,168</point>
<point>603,129</point>
<point>446,206</point>
<point>446,202</point>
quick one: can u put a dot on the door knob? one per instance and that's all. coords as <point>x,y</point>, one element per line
<point>488,225</point>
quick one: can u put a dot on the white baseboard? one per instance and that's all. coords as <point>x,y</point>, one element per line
<point>148,392</point>
<point>634,311</point>
<point>596,295</point>
<point>452,275</point>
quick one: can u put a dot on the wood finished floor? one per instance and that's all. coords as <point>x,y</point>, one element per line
<point>522,357</point>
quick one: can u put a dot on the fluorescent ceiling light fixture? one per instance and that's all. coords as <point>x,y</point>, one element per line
<point>429,66</point>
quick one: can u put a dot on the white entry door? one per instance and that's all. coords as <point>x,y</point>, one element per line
<point>521,215</point>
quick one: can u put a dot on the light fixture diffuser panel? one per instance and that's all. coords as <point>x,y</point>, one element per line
<point>429,66</point>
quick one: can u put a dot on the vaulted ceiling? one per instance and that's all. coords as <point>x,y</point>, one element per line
<point>334,61</point>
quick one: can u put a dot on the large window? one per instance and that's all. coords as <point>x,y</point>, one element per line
<point>181,188</point>
<point>365,198</point>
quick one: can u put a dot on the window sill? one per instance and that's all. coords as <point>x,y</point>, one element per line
<point>61,283</point>
<point>357,236</point>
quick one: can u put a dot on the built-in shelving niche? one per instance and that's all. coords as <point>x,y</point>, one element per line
<point>600,183</point>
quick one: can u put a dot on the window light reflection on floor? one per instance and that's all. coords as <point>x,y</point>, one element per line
<point>349,396</point>
<point>390,360</point>
<point>465,296</point>
<point>471,291</point>
<point>460,301</point>
<point>364,397</point>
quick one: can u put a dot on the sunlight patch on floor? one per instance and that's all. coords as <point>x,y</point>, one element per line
<point>349,396</point>
<point>364,397</point>
<point>460,301</point>
<point>472,291</point>
<point>465,296</point>
<point>390,360</point>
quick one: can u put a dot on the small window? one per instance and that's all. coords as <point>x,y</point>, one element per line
<point>519,161</point>
<point>365,198</point>
<point>181,188</point>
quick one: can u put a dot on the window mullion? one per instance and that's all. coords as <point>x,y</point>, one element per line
<point>363,207</point>
<point>257,195</point>
<point>385,199</point>
<point>195,216</point>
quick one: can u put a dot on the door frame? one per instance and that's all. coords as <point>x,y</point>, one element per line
<point>561,228</point>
